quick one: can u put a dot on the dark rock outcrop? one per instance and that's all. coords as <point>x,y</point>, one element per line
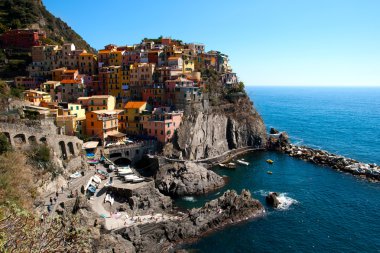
<point>227,209</point>
<point>113,243</point>
<point>187,178</point>
<point>211,132</point>
<point>142,200</point>
<point>277,140</point>
<point>272,199</point>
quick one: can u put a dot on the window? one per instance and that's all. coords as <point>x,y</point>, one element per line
<point>162,132</point>
<point>92,123</point>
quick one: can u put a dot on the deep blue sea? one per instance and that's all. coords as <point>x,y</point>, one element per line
<point>324,210</point>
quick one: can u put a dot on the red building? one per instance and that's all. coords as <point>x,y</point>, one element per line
<point>22,38</point>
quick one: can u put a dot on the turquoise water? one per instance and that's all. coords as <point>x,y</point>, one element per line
<point>325,211</point>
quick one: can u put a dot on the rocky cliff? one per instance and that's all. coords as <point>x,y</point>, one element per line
<point>187,178</point>
<point>210,132</point>
<point>160,237</point>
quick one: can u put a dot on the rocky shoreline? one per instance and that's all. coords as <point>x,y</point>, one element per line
<point>230,208</point>
<point>364,170</point>
<point>280,142</point>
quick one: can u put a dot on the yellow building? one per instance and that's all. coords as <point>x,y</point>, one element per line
<point>188,66</point>
<point>35,97</point>
<point>132,114</point>
<point>98,102</point>
<point>68,122</point>
<point>141,74</point>
<point>115,58</point>
<point>87,63</point>
<point>115,84</point>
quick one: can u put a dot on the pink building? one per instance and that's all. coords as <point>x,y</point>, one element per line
<point>162,123</point>
<point>170,86</point>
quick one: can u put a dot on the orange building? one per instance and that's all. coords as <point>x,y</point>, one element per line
<point>103,124</point>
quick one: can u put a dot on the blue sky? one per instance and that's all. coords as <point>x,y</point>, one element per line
<point>270,42</point>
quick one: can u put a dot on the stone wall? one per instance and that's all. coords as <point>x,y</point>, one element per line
<point>25,133</point>
<point>132,152</point>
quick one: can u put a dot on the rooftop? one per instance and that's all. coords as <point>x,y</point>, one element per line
<point>107,111</point>
<point>134,105</point>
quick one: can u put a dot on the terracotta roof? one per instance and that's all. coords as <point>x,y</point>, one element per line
<point>86,54</point>
<point>71,71</point>
<point>134,105</point>
<point>173,58</point>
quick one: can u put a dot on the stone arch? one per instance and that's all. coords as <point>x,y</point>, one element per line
<point>43,140</point>
<point>122,161</point>
<point>19,139</point>
<point>63,149</point>
<point>71,148</point>
<point>32,140</point>
<point>115,155</point>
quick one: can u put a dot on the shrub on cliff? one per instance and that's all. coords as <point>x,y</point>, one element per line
<point>5,146</point>
<point>41,158</point>
<point>23,231</point>
<point>16,180</point>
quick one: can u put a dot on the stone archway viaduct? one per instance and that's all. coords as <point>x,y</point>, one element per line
<point>25,133</point>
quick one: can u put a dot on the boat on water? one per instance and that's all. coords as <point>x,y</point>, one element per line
<point>242,162</point>
<point>269,172</point>
<point>270,161</point>
<point>228,165</point>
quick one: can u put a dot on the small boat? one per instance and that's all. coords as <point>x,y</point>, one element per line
<point>269,172</point>
<point>222,165</point>
<point>231,165</point>
<point>242,162</point>
<point>270,161</point>
<point>138,180</point>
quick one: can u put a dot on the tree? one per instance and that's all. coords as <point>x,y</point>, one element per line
<point>5,146</point>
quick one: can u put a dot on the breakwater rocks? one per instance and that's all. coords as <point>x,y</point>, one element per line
<point>178,179</point>
<point>341,163</point>
<point>227,209</point>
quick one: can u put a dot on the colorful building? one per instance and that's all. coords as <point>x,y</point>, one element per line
<point>103,124</point>
<point>97,102</point>
<point>132,113</point>
<point>22,38</point>
<point>35,97</point>
<point>88,64</point>
<point>141,74</point>
<point>162,123</point>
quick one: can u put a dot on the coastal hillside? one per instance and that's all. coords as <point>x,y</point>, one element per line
<point>15,14</point>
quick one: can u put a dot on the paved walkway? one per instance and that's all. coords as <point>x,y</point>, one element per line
<point>121,219</point>
<point>73,186</point>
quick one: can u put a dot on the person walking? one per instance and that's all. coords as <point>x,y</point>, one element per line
<point>62,188</point>
<point>51,201</point>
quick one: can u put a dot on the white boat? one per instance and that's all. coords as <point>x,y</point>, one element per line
<point>129,178</point>
<point>124,172</point>
<point>96,179</point>
<point>242,162</point>
<point>138,180</point>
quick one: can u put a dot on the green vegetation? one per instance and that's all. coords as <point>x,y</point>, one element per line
<point>40,157</point>
<point>5,146</point>
<point>16,184</point>
<point>9,92</point>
